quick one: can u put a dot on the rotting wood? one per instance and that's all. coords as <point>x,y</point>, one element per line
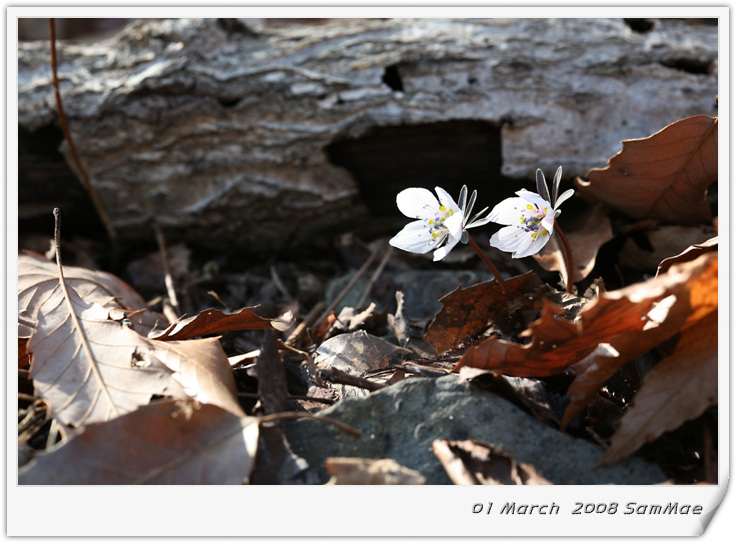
<point>280,136</point>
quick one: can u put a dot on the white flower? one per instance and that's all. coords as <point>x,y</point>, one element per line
<point>530,218</point>
<point>440,225</point>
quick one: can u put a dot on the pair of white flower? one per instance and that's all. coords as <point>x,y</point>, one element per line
<point>440,225</point>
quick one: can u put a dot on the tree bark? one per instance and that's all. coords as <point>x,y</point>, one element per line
<point>265,137</point>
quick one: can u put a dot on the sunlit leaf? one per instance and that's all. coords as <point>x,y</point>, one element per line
<point>213,322</point>
<point>92,368</point>
<point>37,277</point>
<point>557,342</point>
<point>664,176</point>
<point>688,292</point>
<point>691,253</point>
<point>680,388</point>
<point>163,443</point>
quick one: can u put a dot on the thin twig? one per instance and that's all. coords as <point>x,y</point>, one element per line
<point>335,375</point>
<point>68,136</point>
<point>168,279</point>
<point>568,257</point>
<point>376,275</point>
<point>489,264</point>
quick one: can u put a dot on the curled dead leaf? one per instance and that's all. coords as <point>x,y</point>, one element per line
<point>691,253</point>
<point>680,388</point>
<point>664,176</point>
<point>213,322</point>
<point>687,293</point>
<point>557,342</point>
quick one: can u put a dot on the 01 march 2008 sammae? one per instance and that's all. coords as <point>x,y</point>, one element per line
<point>611,508</point>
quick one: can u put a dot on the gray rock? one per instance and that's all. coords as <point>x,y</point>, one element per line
<point>403,420</point>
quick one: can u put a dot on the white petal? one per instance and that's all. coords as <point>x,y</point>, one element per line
<point>417,203</point>
<point>536,245</point>
<point>442,252</point>
<point>446,200</point>
<point>548,222</point>
<point>454,225</point>
<point>564,196</point>
<point>415,238</point>
<point>512,239</point>
<point>509,211</point>
<point>533,198</point>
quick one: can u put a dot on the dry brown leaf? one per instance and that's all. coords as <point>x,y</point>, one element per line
<point>467,311</point>
<point>691,253</point>
<point>103,369</point>
<point>202,368</point>
<point>593,230</point>
<point>664,176</point>
<point>162,443</point>
<point>92,369</point>
<point>214,322</point>
<point>664,241</point>
<point>558,342</point>
<point>474,463</point>
<point>357,353</point>
<point>680,388</point>
<point>688,293</point>
<point>366,471</point>
<point>37,277</point>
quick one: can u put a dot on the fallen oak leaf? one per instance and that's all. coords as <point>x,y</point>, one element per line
<point>88,367</point>
<point>688,293</point>
<point>558,342</point>
<point>647,251</point>
<point>203,369</point>
<point>467,311</point>
<point>680,388</point>
<point>100,368</point>
<point>170,442</point>
<point>691,253</point>
<point>38,277</point>
<point>214,322</point>
<point>664,176</point>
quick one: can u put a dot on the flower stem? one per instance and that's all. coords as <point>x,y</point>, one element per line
<point>568,256</point>
<point>487,262</point>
